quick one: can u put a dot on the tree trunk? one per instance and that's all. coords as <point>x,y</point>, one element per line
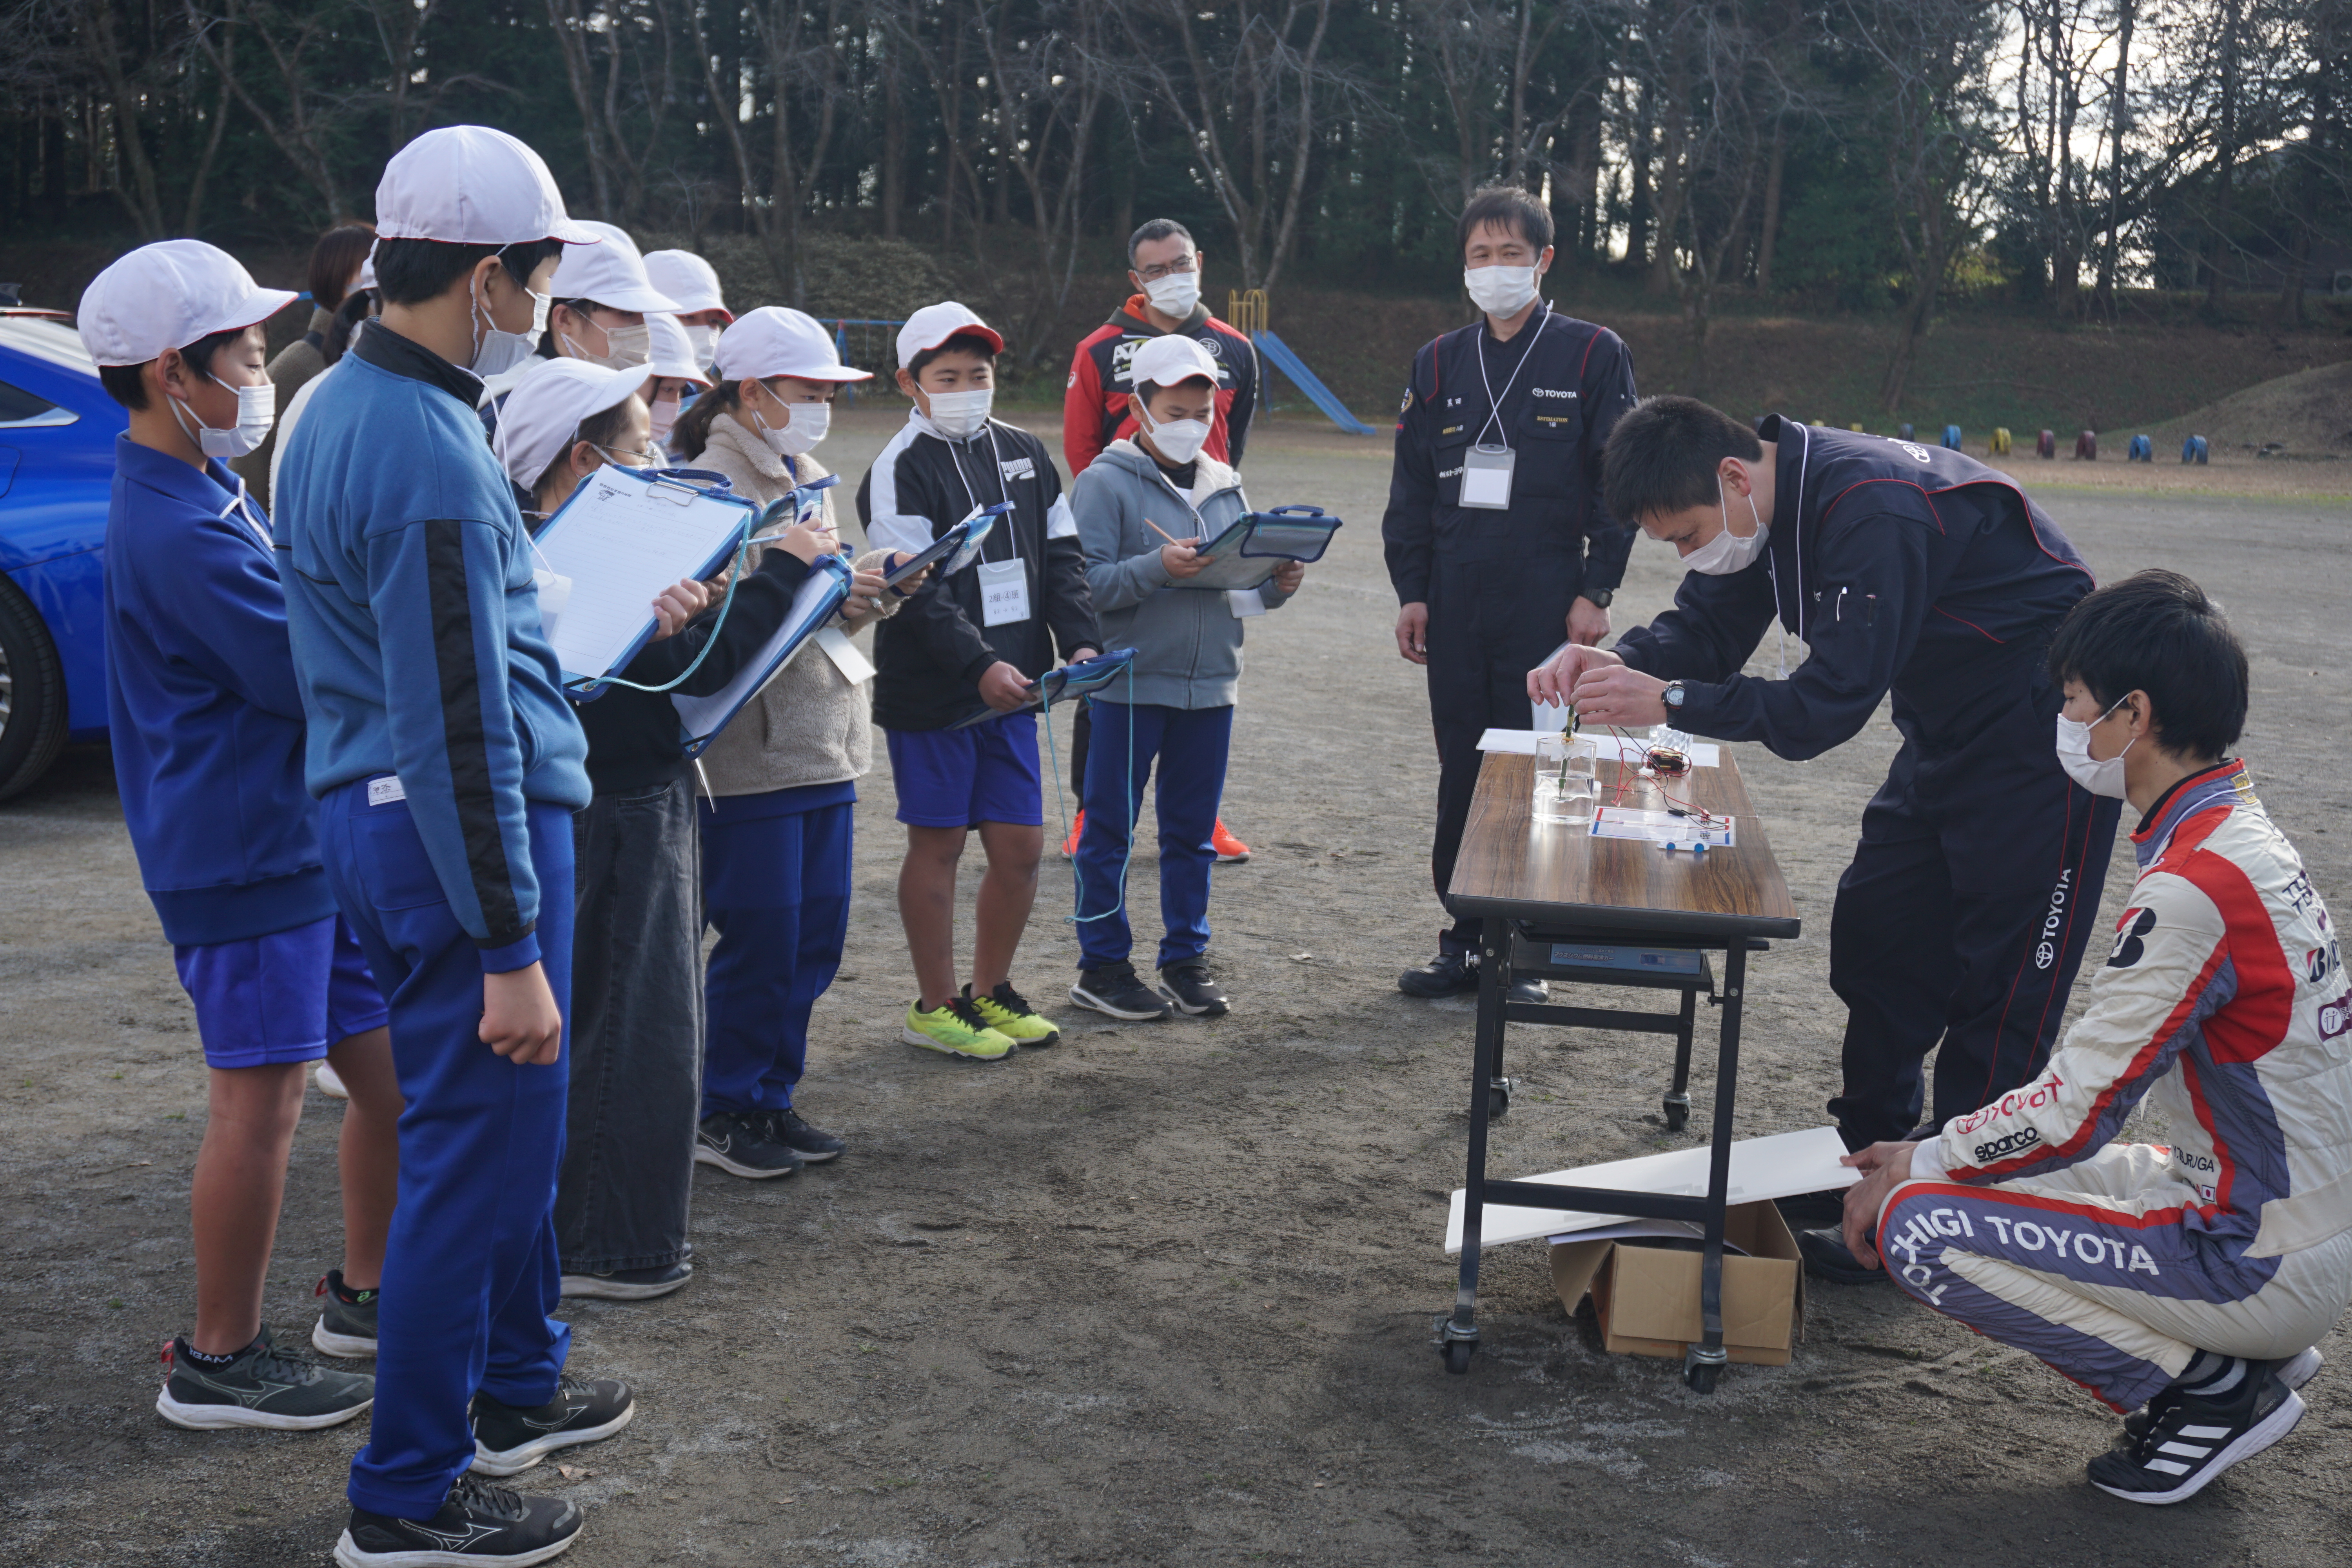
<point>893,142</point>
<point>2119,122</point>
<point>1768,226</point>
<point>1637,205</point>
<point>2225,157</point>
<point>105,53</point>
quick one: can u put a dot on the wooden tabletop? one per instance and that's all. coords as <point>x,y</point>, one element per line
<point>1561,875</point>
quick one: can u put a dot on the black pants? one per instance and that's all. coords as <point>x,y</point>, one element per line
<point>1961,922</point>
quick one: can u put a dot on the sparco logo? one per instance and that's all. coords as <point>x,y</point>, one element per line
<point>2045,952</point>
<point>2003,1148</point>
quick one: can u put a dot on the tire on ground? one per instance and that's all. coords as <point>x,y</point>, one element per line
<point>32,694</point>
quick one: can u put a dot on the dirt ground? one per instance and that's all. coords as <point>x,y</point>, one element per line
<point>1138,1298</point>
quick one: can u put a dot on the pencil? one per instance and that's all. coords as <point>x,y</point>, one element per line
<point>1161,531</point>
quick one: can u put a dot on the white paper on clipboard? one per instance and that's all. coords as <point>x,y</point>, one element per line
<point>622,539</point>
<point>813,606</point>
<point>1702,754</point>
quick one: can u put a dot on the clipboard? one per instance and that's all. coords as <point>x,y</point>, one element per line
<point>965,534</point>
<point>807,502</point>
<point>977,524</point>
<point>700,719</point>
<point>1246,555</point>
<point>624,536</point>
<point>1070,681</point>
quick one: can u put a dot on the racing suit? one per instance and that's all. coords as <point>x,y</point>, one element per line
<point>2224,1002</point>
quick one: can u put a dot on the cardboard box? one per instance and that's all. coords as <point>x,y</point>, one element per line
<point>1646,1295</point>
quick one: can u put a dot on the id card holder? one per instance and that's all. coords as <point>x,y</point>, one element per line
<point>1487,478</point>
<point>1003,593</point>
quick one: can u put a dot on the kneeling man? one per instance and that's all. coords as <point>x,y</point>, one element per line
<point>2197,1278</point>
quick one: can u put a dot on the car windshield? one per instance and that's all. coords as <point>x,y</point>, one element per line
<point>47,338</point>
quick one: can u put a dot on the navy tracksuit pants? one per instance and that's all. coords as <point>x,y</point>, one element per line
<point>1190,746</point>
<point>470,1272</point>
<point>776,889</point>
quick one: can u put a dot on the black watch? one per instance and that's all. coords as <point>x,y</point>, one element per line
<point>1599,598</point>
<point>1673,695</point>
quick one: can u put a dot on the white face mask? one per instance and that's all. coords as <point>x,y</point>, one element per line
<point>703,342</point>
<point>1175,294</point>
<point>958,415</point>
<point>805,425</point>
<point>496,352</point>
<point>1724,554</point>
<point>664,420</point>
<point>624,348</point>
<point>1179,440</point>
<point>1500,291</point>
<point>2105,778</point>
<point>256,409</point>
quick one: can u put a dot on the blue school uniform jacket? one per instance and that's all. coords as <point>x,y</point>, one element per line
<point>202,703</point>
<point>416,633</point>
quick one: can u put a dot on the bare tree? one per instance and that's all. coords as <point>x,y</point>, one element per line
<point>802,67</point>
<point>302,124</point>
<point>1049,74</point>
<point>634,80</point>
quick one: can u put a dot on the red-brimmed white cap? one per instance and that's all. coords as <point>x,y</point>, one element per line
<point>468,185</point>
<point>689,279</point>
<point>612,274</point>
<point>672,351</point>
<point>544,411</point>
<point>776,340</point>
<point>932,325</point>
<point>1169,359</point>
<point>166,296</point>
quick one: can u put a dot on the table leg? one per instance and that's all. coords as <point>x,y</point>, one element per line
<point>1457,1334</point>
<point>1705,1360</point>
<point>1678,1097</point>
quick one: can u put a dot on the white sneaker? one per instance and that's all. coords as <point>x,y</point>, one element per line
<point>329,1083</point>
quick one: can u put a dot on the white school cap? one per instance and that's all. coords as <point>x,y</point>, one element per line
<point>544,412</point>
<point>686,279</point>
<point>776,340</point>
<point>1169,359</point>
<point>468,185</point>
<point>612,274</point>
<point>673,354</point>
<point>166,296</point>
<point>935,324</point>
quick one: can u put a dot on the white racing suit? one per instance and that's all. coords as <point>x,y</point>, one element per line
<point>2225,1001</point>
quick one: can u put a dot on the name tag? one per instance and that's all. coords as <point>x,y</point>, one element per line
<point>854,667</point>
<point>1003,593</point>
<point>1487,478</point>
<point>1018,468</point>
<point>385,790</point>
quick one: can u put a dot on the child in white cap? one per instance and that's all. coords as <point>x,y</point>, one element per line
<point>693,284</point>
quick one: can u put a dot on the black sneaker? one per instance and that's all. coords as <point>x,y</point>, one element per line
<point>628,1284</point>
<point>346,1325</point>
<point>814,1145</point>
<point>1188,985</point>
<point>2191,1440</point>
<point>1827,1256</point>
<point>507,1439</point>
<point>2294,1371</point>
<point>743,1146</point>
<point>260,1386</point>
<point>1114,989</point>
<point>479,1523</point>
<point>1447,974</point>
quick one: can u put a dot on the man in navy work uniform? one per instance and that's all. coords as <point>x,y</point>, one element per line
<point>1905,569</point>
<point>1498,545</point>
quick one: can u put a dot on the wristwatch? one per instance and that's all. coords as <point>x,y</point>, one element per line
<point>1673,695</point>
<point>1599,598</point>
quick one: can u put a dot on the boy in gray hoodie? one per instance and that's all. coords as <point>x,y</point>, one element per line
<point>1141,507</point>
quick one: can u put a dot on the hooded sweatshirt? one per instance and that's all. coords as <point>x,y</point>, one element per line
<point>1095,406</point>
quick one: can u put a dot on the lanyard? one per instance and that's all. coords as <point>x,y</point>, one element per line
<point>1494,404</point>
<point>1004,490</point>
<point>241,504</point>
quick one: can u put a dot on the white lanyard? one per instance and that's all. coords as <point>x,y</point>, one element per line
<point>1494,404</point>
<point>241,504</point>
<point>1004,490</point>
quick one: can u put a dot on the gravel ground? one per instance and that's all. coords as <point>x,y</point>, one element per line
<point>1140,1298</point>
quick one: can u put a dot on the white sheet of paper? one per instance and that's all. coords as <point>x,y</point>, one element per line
<point>700,714</point>
<point>1703,753</point>
<point>621,541</point>
<point>1775,1167</point>
<point>1647,1230</point>
<point>846,655</point>
<point>1245,602</point>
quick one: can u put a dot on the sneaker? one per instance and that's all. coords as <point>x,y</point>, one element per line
<point>1188,985</point>
<point>743,1146</point>
<point>479,1523</point>
<point>628,1284</point>
<point>329,1081</point>
<point>1114,989</point>
<point>260,1386</point>
<point>1447,974</point>
<point>1827,1257</point>
<point>955,1030</point>
<point>508,1439</point>
<point>814,1145</point>
<point>2192,1440</point>
<point>1011,1017</point>
<point>1070,844</point>
<point>2294,1371</point>
<point>346,1325</point>
<point>1231,851</point>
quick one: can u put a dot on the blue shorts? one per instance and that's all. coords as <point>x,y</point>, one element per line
<point>961,778</point>
<point>284,997</point>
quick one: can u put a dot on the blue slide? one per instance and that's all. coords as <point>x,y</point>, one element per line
<point>1306,380</point>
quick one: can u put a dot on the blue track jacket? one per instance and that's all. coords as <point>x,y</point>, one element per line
<point>415,628</point>
<point>202,703</point>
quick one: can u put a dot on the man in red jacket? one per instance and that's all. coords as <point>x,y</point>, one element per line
<point>1097,409</point>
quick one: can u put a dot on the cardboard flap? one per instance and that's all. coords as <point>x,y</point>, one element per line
<point>1573,1264</point>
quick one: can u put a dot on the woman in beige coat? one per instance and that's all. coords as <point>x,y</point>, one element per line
<point>781,779</point>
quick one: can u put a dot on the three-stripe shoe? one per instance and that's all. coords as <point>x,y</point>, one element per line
<point>478,1526</point>
<point>2189,1440</point>
<point>260,1386</point>
<point>510,1438</point>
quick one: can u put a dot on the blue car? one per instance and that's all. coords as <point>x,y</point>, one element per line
<point>57,470</point>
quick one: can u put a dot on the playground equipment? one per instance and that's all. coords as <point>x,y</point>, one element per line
<point>2086,447</point>
<point>875,351</point>
<point>2000,442</point>
<point>2141,450</point>
<point>1248,313</point>
<point>2192,450</point>
<point>1951,437</point>
<point>2046,444</point>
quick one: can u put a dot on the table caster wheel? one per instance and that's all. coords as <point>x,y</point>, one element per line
<point>1678,1112</point>
<point>1457,1354</point>
<point>1498,1097</point>
<point>1700,1369</point>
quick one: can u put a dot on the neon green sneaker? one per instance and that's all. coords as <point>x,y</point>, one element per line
<point>955,1030</point>
<point>1011,1017</point>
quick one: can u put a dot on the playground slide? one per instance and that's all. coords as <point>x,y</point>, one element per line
<point>1306,380</point>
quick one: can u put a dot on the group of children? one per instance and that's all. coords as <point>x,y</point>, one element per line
<point>382,835</point>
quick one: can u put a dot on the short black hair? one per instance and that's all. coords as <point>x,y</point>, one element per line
<point>966,343</point>
<point>599,429</point>
<point>1158,229</point>
<point>1506,207</point>
<point>335,257</point>
<point>2157,632</point>
<point>1662,457</point>
<point>122,381</point>
<point>412,271</point>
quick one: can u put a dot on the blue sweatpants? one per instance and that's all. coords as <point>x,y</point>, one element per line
<point>776,889</point>
<point>1190,746</point>
<point>470,1272</point>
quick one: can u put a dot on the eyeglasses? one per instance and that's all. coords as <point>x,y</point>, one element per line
<point>648,460</point>
<point>1155,273</point>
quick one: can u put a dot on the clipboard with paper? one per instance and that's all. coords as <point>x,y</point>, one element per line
<point>1083,679</point>
<point>958,546</point>
<point>624,536</point>
<point>1246,555</point>
<point>700,719</point>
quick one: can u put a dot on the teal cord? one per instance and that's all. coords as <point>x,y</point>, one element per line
<point>1061,802</point>
<point>752,524</point>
